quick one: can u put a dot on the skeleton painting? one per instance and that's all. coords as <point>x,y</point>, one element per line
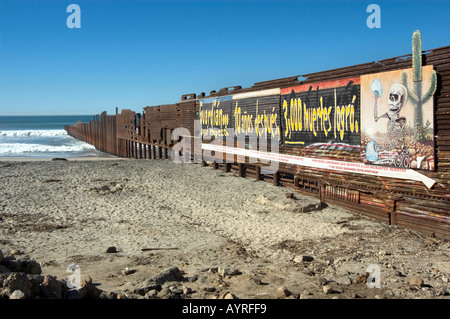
<point>393,131</point>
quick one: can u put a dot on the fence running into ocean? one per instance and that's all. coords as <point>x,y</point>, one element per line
<point>335,131</point>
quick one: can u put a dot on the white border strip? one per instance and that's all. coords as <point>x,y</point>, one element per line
<point>261,93</point>
<point>352,167</point>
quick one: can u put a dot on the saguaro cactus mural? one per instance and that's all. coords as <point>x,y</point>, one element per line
<point>397,128</point>
<point>416,96</point>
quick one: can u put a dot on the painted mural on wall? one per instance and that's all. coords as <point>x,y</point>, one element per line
<point>247,113</point>
<point>397,118</point>
<point>323,115</point>
<point>215,116</point>
<point>257,113</point>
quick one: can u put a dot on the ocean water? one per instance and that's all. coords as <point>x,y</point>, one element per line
<point>42,137</point>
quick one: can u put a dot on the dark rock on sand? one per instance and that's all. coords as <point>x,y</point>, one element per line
<point>282,292</point>
<point>111,250</point>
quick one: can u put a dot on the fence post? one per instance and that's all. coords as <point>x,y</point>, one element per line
<point>276,179</point>
<point>258,173</point>
<point>241,170</point>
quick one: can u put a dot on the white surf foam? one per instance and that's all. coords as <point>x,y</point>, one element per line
<point>36,133</point>
<point>17,148</point>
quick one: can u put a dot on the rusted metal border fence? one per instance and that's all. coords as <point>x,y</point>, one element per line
<point>397,202</point>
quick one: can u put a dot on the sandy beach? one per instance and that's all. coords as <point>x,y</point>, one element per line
<point>224,233</point>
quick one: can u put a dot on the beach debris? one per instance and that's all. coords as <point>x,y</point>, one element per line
<point>115,188</point>
<point>160,248</point>
<point>311,207</point>
<point>59,159</point>
<point>76,293</point>
<point>192,278</point>
<point>187,290</point>
<point>17,294</point>
<point>110,188</point>
<point>29,266</point>
<point>92,292</point>
<point>256,280</point>
<point>57,287</point>
<point>282,292</point>
<point>176,288</point>
<point>22,279</point>
<point>145,287</point>
<point>362,278</point>
<point>166,293</point>
<point>322,281</point>
<point>328,289</point>
<point>45,292</point>
<point>111,250</point>
<point>289,195</point>
<point>303,258</point>
<point>226,271</point>
<point>211,270</point>
<point>16,252</point>
<point>398,273</point>
<point>228,295</point>
<point>306,292</point>
<point>128,271</point>
<point>16,281</point>
<point>108,295</point>
<point>51,180</point>
<point>223,284</point>
<point>416,281</point>
<point>35,280</point>
<point>151,294</point>
<point>4,270</point>
<point>173,274</point>
<point>24,264</point>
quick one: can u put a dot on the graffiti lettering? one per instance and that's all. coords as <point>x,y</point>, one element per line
<point>344,119</point>
<point>214,121</point>
<point>260,123</point>
<point>331,120</point>
<point>243,122</point>
<point>267,123</point>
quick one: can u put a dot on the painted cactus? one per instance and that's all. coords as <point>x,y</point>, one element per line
<point>416,97</point>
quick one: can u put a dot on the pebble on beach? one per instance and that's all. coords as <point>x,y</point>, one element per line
<point>111,250</point>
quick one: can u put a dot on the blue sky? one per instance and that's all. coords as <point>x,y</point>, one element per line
<point>137,53</point>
